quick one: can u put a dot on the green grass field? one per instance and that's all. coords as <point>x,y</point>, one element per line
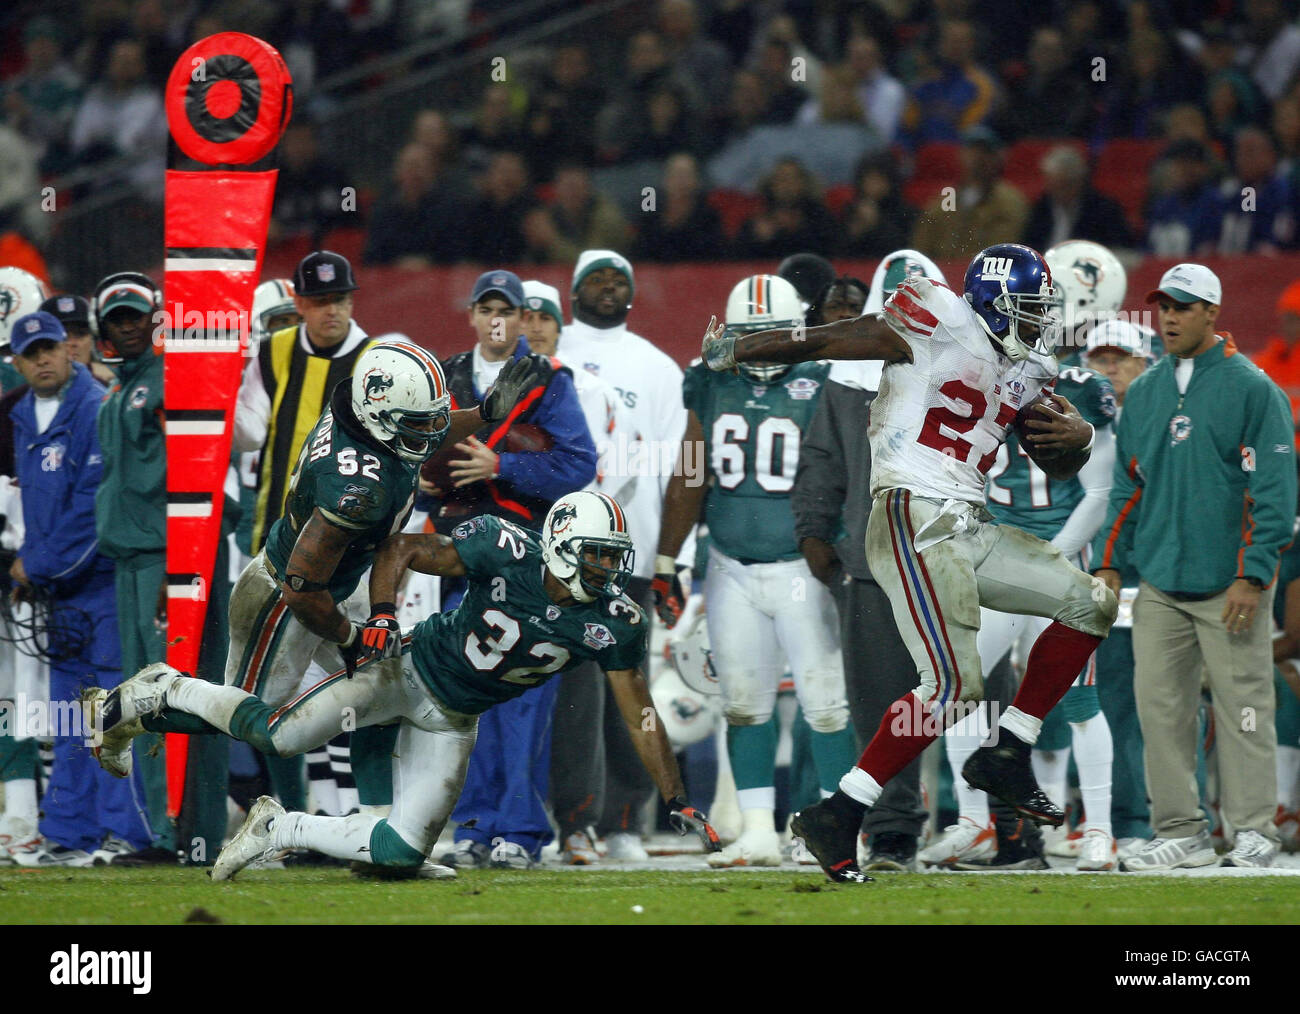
<point>174,896</point>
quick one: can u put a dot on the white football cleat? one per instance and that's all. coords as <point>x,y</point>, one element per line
<point>429,870</point>
<point>960,842</point>
<point>143,694</point>
<point>114,752</point>
<point>251,842</point>
<point>1097,852</point>
<point>625,845</point>
<point>579,850</point>
<point>110,849</point>
<point>509,855</point>
<point>752,848</point>
<point>50,855</point>
<point>1062,842</point>
<point>17,835</point>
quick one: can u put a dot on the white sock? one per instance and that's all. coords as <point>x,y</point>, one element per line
<point>960,741</point>
<point>1288,776</point>
<point>1025,727</point>
<point>20,800</point>
<point>762,798</point>
<point>859,785</point>
<point>323,791</point>
<point>1050,769</point>
<point>1094,752</point>
<point>380,812</point>
<point>213,703</point>
<point>348,799</point>
<point>340,837</point>
<point>758,821</point>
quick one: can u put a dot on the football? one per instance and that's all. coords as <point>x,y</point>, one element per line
<point>1027,412</point>
<point>521,438</point>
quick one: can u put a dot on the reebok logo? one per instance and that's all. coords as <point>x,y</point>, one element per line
<point>75,967</point>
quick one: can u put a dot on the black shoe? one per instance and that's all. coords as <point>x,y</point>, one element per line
<point>306,857</point>
<point>1000,863</point>
<point>152,856</point>
<point>833,840</point>
<point>892,852</point>
<point>1004,771</point>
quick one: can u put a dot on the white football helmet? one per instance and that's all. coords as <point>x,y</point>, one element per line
<point>760,303</point>
<point>1090,279</point>
<point>21,293</point>
<point>400,396</point>
<point>271,299</point>
<point>585,536</point>
<point>688,716</point>
<point>689,650</point>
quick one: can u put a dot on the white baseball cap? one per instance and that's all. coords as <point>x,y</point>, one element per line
<point>1119,335</point>
<point>1187,283</point>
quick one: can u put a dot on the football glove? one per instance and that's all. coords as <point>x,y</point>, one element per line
<point>381,637</point>
<point>351,650</point>
<point>684,818</point>
<point>518,376</point>
<point>719,348</point>
<point>669,595</point>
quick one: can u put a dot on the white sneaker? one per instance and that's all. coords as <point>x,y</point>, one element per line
<point>801,854</point>
<point>111,848</point>
<point>114,751</point>
<point>752,848</point>
<point>1130,846</point>
<point>960,842</point>
<point>1172,854</point>
<point>52,856</point>
<point>1062,842</point>
<point>1097,851</point>
<point>15,834</point>
<point>251,842</point>
<point>579,850</point>
<point>625,845</point>
<point>429,870</point>
<point>467,854</point>
<point>1252,851</point>
<point>509,855</point>
<point>143,694</point>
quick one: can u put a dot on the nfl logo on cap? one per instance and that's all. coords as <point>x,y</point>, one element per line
<point>325,272</point>
<point>33,326</point>
<point>66,304</point>
<point>498,279</point>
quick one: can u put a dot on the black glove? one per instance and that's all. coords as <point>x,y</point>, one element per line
<point>684,818</point>
<point>351,650</point>
<point>518,376</point>
<point>381,637</point>
<point>669,595</point>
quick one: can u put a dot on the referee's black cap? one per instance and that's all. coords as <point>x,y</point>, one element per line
<point>323,272</point>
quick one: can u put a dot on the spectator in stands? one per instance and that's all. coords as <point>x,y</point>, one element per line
<point>73,313</point>
<point>694,56</point>
<point>733,24</point>
<point>559,125</point>
<point>497,127</point>
<point>747,105</point>
<point>784,82</point>
<point>1053,98</point>
<point>800,65</point>
<point>315,39</point>
<point>20,189</point>
<point>1272,49</point>
<point>792,218</point>
<point>1186,219</point>
<point>309,192</point>
<point>837,102</point>
<point>668,126</point>
<point>1231,97</point>
<point>645,70</point>
<point>149,24</point>
<point>1070,209</point>
<point>985,209</point>
<point>879,93</point>
<point>1280,358</point>
<point>437,134</point>
<point>1259,202</point>
<point>41,102</point>
<point>878,219</point>
<point>1286,131</point>
<point>954,92</point>
<point>1148,85</point>
<point>492,232</point>
<point>584,217</point>
<point>681,226</point>
<point>122,117</point>
<point>417,223</point>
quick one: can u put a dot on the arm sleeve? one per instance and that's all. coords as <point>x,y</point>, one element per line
<point>1112,543</point>
<point>672,416</point>
<point>1095,477</point>
<point>72,549</point>
<point>1271,487</point>
<point>252,410</point>
<point>571,462</point>
<point>822,480</point>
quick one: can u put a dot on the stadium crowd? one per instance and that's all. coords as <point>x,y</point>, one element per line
<point>762,130</point>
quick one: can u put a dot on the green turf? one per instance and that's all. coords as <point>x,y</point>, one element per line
<point>492,896</point>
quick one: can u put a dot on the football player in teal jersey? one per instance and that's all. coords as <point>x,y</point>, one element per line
<point>535,606</point>
<point>764,607</point>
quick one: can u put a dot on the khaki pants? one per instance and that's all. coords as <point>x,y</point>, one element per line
<point>1171,639</point>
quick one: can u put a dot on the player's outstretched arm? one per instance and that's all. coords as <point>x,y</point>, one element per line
<point>305,586</point>
<point>867,337</point>
<point>426,553</point>
<point>632,695</point>
<point>682,502</point>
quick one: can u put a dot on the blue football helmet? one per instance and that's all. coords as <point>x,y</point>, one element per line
<point>1010,286</point>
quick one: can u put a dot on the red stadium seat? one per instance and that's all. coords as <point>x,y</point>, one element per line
<point>734,207</point>
<point>1121,172</point>
<point>1024,158</point>
<point>937,165</point>
<point>839,197</point>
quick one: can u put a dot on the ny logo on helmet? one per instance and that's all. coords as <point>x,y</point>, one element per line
<point>377,382</point>
<point>564,516</point>
<point>996,269</point>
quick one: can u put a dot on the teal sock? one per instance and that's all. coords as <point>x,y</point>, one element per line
<point>18,758</point>
<point>834,753</point>
<point>171,720</point>
<point>1055,732</point>
<point>752,749</point>
<point>1080,704</point>
<point>371,749</point>
<point>251,722</point>
<point>288,779</point>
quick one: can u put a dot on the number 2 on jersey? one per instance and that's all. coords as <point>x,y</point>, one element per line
<point>943,427</point>
<point>488,653</point>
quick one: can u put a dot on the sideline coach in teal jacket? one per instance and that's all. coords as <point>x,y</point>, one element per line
<point>1202,505</point>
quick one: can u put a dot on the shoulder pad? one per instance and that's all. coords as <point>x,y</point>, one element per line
<point>920,305</point>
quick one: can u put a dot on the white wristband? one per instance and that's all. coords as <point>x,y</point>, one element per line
<point>665,564</point>
<point>353,630</point>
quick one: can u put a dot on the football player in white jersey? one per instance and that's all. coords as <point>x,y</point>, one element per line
<point>958,371</point>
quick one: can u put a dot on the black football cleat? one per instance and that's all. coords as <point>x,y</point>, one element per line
<point>833,840</point>
<point>1005,772</point>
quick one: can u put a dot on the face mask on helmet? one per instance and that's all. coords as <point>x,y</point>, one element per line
<point>416,435</point>
<point>763,303</point>
<point>586,546</point>
<point>400,396</point>
<point>1010,289</point>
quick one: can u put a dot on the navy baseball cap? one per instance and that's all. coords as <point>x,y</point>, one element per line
<point>506,284</point>
<point>35,327</point>
<point>68,309</point>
